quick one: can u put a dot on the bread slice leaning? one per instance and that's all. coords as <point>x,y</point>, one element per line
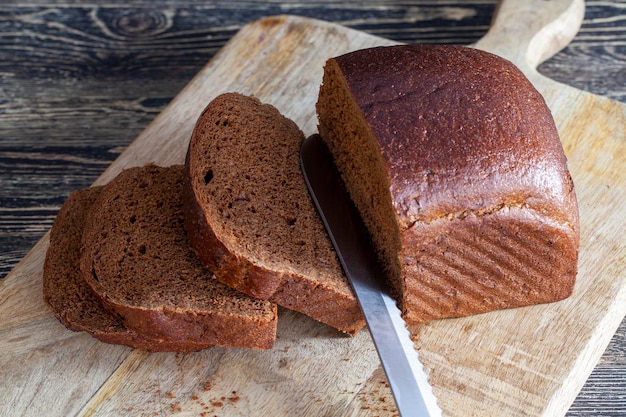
<point>68,295</point>
<point>137,261</point>
<point>249,215</point>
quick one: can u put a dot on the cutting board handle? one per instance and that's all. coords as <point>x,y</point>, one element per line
<point>527,32</point>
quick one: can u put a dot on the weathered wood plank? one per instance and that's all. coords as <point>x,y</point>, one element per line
<point>596,60</point>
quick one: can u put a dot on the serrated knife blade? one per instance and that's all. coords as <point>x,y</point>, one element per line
<point>408,381</point>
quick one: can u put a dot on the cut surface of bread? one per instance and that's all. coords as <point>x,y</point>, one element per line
<point>68,295</point>
<point>455,163</point>
<point>137,260</point>
<point>249,215</point>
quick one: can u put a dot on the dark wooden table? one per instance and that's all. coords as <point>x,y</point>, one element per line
<point>79,81</point>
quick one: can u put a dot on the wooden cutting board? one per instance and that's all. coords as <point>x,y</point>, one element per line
<point>528,361</point>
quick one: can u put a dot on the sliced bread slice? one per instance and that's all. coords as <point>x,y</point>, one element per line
<point>137,260</point>
<point>68,295</point>
<point>249,215</point>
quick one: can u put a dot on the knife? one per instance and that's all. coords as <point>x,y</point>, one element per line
<point>412,393</point>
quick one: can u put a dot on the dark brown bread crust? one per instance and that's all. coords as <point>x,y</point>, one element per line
<point>221,181</point>
<point>68,295</point>
<point>137,260</point>
<point>477,187</point>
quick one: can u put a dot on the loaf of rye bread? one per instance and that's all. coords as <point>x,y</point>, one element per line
<point>249,215</point>
<point>68,295</point>
<point>455,164</point>
<point>136,259</point>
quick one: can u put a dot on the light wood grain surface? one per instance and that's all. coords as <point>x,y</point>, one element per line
<point>53,128</point>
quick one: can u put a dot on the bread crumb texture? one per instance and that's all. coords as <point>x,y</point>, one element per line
<point>120,267</point>
<point>251,219</point>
